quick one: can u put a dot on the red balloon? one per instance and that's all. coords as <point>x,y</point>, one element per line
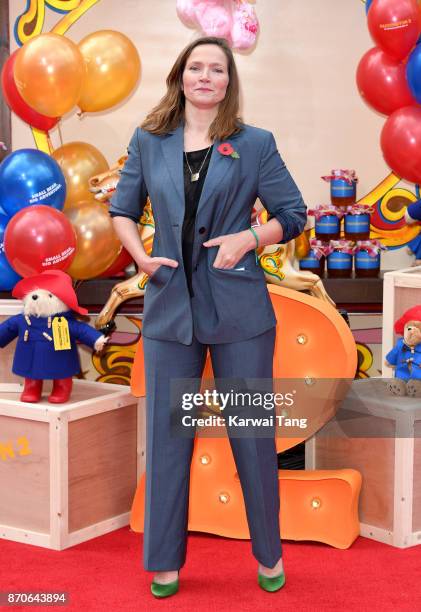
<point>39,238</point>
<point>381,81</point>
<point>122,261</point>
<point>401,143</point>
<point>17,104</point>
<point>395,25</point>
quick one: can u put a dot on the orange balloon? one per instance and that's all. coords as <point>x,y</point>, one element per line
<point>79,161</point>
<point>49,71</point>
<point>97,244</point>
<point>113,65</point>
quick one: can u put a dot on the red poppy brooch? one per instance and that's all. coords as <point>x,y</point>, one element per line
<point>226,148</point>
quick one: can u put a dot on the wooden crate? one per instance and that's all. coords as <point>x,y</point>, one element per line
<point>68,473</point>
<point>401,290</point>
<point>380,436</point>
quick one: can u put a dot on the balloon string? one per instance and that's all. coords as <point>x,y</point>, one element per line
<point>59,133</point>
<point>50,144</point>
<point>77,284</point>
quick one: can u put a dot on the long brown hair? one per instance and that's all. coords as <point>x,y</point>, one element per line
<point>169,112</point>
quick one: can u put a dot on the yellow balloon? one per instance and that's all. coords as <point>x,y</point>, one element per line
<point>113,66</point>
<point>49,71</point>
<point>79,161</point>
<point>97,245</point>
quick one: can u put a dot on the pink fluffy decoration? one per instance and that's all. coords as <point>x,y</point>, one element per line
<point>234,20</point>
<point>245,26</point>
<point>186,11</point>
<point>214,18</point>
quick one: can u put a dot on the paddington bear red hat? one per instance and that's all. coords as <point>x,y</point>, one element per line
<point>413,314</point>
<point>55,281</point>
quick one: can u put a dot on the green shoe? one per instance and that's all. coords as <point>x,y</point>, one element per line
<point>271,584</point>
<point>164,590</point>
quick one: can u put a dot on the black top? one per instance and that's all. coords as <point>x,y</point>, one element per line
<point>192,192</point>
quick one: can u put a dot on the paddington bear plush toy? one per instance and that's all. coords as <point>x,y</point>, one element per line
<point>47,332</point>
<point>406,355</point>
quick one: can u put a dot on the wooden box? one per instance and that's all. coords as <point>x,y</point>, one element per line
<point>380,436</point>
<point>68,473</point>
<point>401,290</point>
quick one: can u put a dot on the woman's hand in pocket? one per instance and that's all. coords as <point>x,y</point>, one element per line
<point>149,265</point>
<point>232,247</point>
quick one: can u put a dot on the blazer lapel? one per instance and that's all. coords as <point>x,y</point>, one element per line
<point>218,166</point>
<point>173,147</point>
<point>173,151</point>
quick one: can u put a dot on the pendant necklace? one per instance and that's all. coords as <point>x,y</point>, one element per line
<point>194,176</point>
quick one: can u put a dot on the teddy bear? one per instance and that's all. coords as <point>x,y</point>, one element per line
<point>47,331</point>
<point>405,357</point>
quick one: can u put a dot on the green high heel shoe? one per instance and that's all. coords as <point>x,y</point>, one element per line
<point>164,590</point>
<point>271,584</point>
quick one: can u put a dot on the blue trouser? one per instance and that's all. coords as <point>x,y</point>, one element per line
<point>168,457</point>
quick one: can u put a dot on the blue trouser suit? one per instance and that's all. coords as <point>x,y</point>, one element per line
<point>168,458</point>
<point>231,313</point>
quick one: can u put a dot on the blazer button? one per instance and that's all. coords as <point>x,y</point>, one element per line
<point>202,230</point>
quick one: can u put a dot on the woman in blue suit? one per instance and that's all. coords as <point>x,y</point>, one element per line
<point>203,169</point>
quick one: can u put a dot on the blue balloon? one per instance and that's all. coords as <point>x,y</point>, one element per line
<point>367,5</point>
<point>29,177</point>
<point>413,73</point>
<point>8,277</point>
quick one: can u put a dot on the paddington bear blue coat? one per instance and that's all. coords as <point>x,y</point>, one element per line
<point>36,358</point>
<point>406,360</point>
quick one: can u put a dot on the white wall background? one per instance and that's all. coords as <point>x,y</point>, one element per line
<point>299,83</point>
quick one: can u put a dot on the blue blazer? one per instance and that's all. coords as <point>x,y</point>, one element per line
<point>228,305</point>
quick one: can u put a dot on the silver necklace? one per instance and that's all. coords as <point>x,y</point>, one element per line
<point>194,176</point>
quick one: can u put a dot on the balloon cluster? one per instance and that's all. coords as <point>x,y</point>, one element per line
<point>50,74</point>
<point>34,234</point>
<point>389,80</point>
<point>234,20</point>
<point>48,217</point>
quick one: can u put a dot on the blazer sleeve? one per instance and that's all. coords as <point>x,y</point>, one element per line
<point>278,192</point>
<point>130,196</point>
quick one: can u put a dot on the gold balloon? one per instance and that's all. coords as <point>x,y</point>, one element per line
<point>79,161</point>
<point>49,71</point>
<point>113,66</point>
<point>97,245</point>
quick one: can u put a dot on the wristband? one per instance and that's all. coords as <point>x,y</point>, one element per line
<point>256,237</point>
